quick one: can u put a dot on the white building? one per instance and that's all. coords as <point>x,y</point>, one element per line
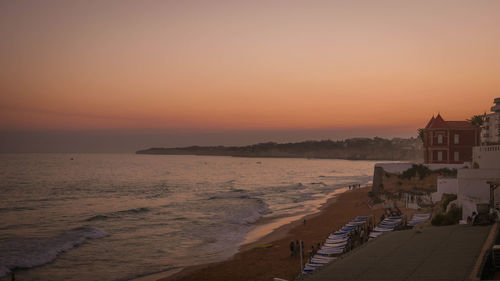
<point>473,187</point>
<point>444,185</point>
<point>490,130</point>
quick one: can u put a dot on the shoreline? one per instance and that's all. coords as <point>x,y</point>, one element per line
<point>261,263</point>
<point>286,224</point>
<point>265,232</point>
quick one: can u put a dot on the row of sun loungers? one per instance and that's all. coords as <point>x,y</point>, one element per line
<point>387,225</point>
<point>336,244</point>
<point>390,223</point>
<point>341,240</point>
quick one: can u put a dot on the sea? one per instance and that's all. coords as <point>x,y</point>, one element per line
<point>123,216</point>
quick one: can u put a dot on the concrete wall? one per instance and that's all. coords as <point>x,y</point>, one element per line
<point>488,157</point>
<point>444,185</point>
<point>399,167</point>
<point>449,166</point>
<point>378,174</point>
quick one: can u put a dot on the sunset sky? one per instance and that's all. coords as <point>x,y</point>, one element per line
<point>238,72</point>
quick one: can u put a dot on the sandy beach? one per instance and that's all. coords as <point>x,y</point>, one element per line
<point>260,263</point>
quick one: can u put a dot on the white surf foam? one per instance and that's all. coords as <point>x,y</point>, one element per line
<point>31,252</point>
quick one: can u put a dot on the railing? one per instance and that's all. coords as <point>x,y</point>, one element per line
<point>489,148</point>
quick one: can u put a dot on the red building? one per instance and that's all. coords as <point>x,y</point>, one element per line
<point>449,141</point>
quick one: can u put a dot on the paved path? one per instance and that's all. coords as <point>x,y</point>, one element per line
<point>434,253</point>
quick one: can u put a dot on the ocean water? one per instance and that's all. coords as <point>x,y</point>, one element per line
<point>122,216</point>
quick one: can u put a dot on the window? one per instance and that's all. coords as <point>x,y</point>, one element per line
<point>456,138</point>
<point>440,156</point>
<point>456,155</point>
<point>440,138</point>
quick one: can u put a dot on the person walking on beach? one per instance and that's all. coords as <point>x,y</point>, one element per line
<point>292,250</point>
<point>302,246</point>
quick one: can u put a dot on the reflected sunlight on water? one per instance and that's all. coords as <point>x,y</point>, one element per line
<point>152,213</point>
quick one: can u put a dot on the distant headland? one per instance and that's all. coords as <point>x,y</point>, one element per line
<point>349,149</point>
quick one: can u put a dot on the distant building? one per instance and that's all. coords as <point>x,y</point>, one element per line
<point>449,142</point>
<point>490,130</point>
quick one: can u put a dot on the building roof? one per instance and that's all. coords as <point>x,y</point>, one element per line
<point>459,124</point>
<point>439,122</point>
<point>430,121</point>
<point>435,253</point>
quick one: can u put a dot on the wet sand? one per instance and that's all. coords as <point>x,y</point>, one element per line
<point>257,263</point>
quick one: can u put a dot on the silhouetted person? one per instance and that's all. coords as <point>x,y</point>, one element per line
<point>474,218</point>
<point>292,250</point>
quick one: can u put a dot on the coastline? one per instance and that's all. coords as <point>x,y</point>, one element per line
<point>261,263</point>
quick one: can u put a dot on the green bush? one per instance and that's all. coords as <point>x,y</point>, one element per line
<point>451,217</point>
<point>447,172</point>
<point>420,169</point>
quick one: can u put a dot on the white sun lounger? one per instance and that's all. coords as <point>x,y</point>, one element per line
<point>319,261</point>
<point>341,244</point>
<point>324,258</point>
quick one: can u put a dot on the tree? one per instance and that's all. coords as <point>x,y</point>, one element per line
<point>476,120</point>
<point>421,134</point>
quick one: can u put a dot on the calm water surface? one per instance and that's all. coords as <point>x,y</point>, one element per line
<point>120,216</point>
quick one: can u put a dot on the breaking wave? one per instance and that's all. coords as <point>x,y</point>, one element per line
<point>118,214</point>
<point>31,252</point>
<point>243,207</point>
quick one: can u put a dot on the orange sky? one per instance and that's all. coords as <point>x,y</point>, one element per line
<point>252,65</point>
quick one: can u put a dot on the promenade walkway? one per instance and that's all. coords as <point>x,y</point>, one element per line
<point>434,253</point>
